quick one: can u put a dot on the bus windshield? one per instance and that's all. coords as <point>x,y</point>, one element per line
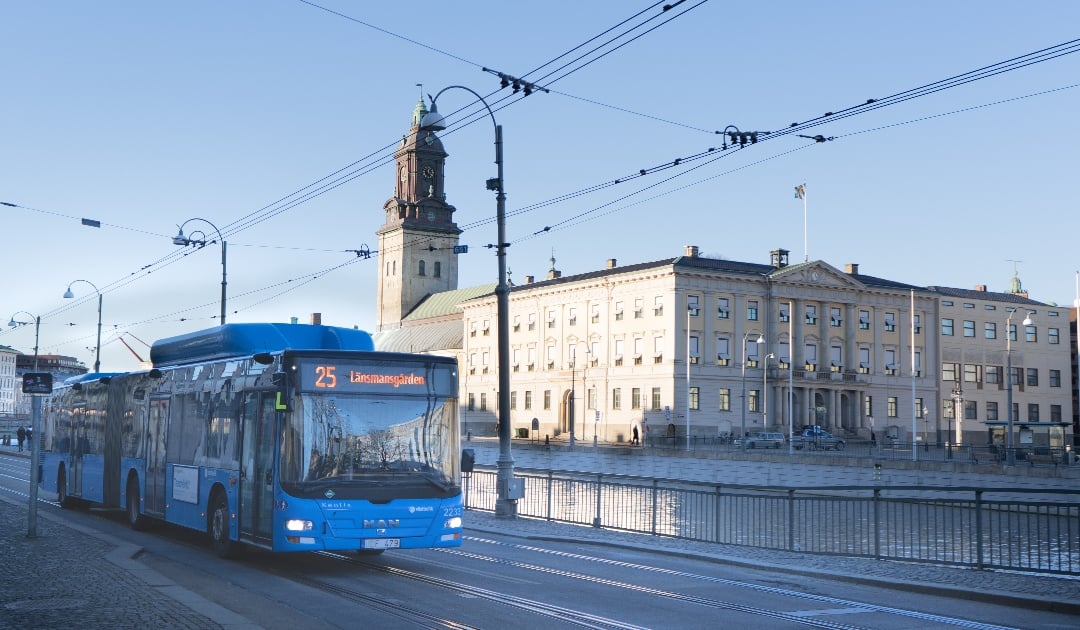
<point>349,439</point>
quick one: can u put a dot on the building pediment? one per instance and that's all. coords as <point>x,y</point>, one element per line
<point>815,274</point>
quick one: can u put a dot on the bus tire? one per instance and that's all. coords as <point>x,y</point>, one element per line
<point>135,518</point>
<point>62,497</point>
<point>217,525</point>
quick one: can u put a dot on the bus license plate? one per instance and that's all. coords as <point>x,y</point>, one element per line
<point>380,543</point>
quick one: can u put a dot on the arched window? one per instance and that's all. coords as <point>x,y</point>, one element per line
<point>438,269</point>
<point>421,267</point>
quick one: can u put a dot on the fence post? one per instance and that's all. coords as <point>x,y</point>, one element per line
<point>791,520</point>
<point>719,509</point>
<point>877,523</point>
<point>550,499</point>
<point>654,493</point>
<point>978,530</point>
<point>599,485</point>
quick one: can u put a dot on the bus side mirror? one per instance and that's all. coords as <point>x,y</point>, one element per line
<point>468,460</point>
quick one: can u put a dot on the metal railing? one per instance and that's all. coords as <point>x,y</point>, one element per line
<point>987,528</point>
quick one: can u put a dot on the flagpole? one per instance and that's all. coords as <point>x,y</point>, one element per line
<point>800,192</point>
<point>914,410</point>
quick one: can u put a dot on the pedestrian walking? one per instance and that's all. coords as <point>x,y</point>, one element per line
<point>21,435</point>
<point>635,439</point>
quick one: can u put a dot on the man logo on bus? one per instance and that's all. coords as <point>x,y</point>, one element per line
<point>381,523</point>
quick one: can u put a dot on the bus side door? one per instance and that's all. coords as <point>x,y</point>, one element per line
<point>156,431</point>
<point>257,466</point>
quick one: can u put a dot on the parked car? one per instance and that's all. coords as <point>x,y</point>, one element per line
<point>819,439</point>
<point>765,440</point>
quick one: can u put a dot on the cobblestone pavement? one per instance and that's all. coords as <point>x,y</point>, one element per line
<point>73,577</point>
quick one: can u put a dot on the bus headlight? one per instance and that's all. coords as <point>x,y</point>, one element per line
<point>298,525</point>
<point>452,523</point>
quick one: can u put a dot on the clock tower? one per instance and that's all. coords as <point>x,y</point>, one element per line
<point>418,235</point>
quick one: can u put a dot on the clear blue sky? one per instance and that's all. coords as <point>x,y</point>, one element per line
<point>143,115</point>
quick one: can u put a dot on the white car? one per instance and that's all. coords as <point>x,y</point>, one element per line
<point>765,440</point>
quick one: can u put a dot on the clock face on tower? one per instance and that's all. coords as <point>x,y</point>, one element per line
<point>428,172</point>
<point>430,215</point>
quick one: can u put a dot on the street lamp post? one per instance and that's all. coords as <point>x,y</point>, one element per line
<point>573,392</point>
<point>760,340</point>
<point>765,391</point>
<point>35,425</point>
<point>504,505</point>
<point>97,350</point>
<point>184,241</point>
<point>1010,454</point>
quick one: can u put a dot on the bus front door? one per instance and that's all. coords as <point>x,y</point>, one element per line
<point>257,467</point>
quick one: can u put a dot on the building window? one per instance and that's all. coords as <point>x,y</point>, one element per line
<point>472,401</point>
<point>868,406</point>
<point>1055,378</point>
<point>594,317</point>
<point>483,402</point>
<point>785,312</point>
<point>972,373</point>
<point>656,399</point>
<point>971,410</point>
<point>917,323</point>
<point>1052,336</point>
<point>1017,376</point>
<point>513,400</point>
<point>528,399</point>
<point>1033,412</point>
<point>946,327</point>
<point>693,303</point>
<point>969,328</point>
<point>590,398</point>
<point>547,400</point>
<point>1033,377</point>
<point>892,407</point>
<point>723,308</point>
<point>834,317</point>
<point>616,398</point>
<point>618,311</point>
<point>635,398</point>
<point>993,374</point>
<point>949,371</point>
<point>753,396</point>
<point>639,308</point>
<point>723,351</point>
<point>694,350</point>
<point>658,306</point>
<point>695,401</point>
<point>752,310</point>
<point>811,314</point>
<point>890,322</point>
<point>1031,334</point>
<point>438,269</point>
<point>991,411</point>
<point>864,320</point>
<point>422,263</point>
<point>725,399</point>
<point>920,411</point>
<point>1055,413</point>
<point>990,330</point>
<point>1012,332</point>
<point>573,316</point>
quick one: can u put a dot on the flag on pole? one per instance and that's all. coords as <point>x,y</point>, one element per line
<point>800,191</point>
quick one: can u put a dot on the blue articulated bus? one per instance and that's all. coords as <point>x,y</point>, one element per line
<point>287,437</point>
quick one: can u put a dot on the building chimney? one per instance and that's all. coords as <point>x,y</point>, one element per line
<point>553,274</point>
<point>692,251</point>
<point>316,319</point>
<point>529,279</point>
<point>611,263</point>
<point>851,269</point>
<point>980,287</point>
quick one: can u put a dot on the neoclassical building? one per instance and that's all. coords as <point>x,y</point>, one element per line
<point>710,347</point>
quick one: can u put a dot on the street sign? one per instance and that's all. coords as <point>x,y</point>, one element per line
<point>37,383</point>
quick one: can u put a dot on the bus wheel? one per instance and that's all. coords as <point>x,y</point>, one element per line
<point>135,518</point>
<point>218,527</point>
<point>62,497</point>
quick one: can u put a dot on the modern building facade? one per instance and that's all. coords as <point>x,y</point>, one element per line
<point>701,346</point>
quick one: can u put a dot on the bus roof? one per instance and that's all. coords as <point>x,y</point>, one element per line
<point>244,340</point>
